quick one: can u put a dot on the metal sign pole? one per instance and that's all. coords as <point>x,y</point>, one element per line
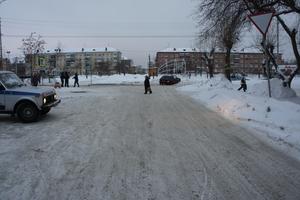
<point>262,23</point>
<point>267,63</point>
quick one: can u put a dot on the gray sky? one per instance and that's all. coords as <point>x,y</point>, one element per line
<point>91,18</point>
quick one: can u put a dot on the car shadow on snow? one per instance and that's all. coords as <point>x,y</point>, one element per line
<point>8,119</point>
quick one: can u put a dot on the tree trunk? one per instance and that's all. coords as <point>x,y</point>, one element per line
<point>297,56</point>
<point>292,35</point>
<point>227,67</point>
<point>210,68</point>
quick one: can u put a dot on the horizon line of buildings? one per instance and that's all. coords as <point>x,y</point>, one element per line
<point>241,62</point>
<point>108,60</point>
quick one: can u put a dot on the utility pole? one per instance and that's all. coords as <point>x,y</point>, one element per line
<point>149,65</point>
<point>277,37</point>
<point>149,62</point>
<point>1,57</point>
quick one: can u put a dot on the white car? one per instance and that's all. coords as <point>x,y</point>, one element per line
<point>25,101</point>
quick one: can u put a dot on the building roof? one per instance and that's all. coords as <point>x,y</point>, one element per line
<point>78,50</point>
<point>246,50</point>
<point>181,50</point>
<point>125,58</point>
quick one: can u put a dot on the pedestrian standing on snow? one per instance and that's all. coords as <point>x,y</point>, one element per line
<point>62,78</point>
<point>243,84</point>
<point>67,77</point>
<point>35,79</point>
<point>147,85</point>
<point>76,80</point>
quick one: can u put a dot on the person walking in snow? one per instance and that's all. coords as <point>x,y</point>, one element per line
<point>62,78</point>
<point>147,85</point>
<point>35,79</point>
<point>243,84</point>
<point>76,80</point>
<point>67,77</point>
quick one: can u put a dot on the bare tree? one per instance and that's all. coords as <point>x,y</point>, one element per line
<point>222,20</point>
<point>31,46</point>
<point>280,8</point>
<point>229,35</point>
<point>209,61</point>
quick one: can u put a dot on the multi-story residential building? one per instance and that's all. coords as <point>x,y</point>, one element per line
<point>83,61</point>
<point>190,56</point>
<point>246,62</point>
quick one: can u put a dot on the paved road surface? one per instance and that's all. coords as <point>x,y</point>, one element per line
<point>117,143</point>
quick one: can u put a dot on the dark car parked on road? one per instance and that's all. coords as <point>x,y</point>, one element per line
<point>169,80</point>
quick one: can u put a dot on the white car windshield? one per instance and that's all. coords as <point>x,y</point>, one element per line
<point>10,80</point>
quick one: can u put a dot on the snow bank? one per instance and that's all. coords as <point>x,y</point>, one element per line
<point>275,120</point>
<point>277,89</point>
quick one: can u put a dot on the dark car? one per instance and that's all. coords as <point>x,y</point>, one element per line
<point>169,80</point>
<point>237,77</point>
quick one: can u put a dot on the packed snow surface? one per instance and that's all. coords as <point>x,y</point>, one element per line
<point>276,120</point>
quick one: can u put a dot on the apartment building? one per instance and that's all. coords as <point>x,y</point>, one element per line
<point>83,61</point>
<point>246,62</point>
<point>191,57</point>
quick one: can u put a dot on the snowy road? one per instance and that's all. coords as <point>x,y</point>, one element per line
<point>115,143</point>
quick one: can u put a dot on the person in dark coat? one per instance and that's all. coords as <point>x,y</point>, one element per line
<point>35,80</point>
<point>67,77</point>
<point>243,84</point>
<point>76,80</point>
<point>62,78</point>
<point>147,85</point>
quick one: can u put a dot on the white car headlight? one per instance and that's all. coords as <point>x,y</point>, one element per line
<point>44,100</point>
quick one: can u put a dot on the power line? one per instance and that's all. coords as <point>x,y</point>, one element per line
<point>104,36</point>
<point>39,21</point>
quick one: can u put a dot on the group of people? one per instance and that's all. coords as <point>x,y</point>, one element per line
<point>148,87</point>
<point>64,79</point>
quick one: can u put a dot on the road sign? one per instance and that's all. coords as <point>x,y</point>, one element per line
<point>262,21</point>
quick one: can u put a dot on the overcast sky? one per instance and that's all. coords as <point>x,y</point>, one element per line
<point>94,20</point>
<point>90,18</point>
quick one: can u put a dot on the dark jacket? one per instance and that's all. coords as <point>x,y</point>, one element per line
<point>66,75</point>
<point>147,82</point>
<point>35,80</point>
<point>62,75</point>
<point>76,77</point>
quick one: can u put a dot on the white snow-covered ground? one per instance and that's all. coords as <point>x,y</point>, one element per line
<point>275,120</point>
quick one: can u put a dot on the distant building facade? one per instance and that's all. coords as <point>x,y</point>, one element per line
<point>246,62</point>
<point>190,56</point>
<point>83,61</point>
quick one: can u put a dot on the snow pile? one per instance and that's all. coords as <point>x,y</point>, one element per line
<point>275,121</point>
<point>116,79</point>
<point>277,89</point>
<point>113,79</point>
